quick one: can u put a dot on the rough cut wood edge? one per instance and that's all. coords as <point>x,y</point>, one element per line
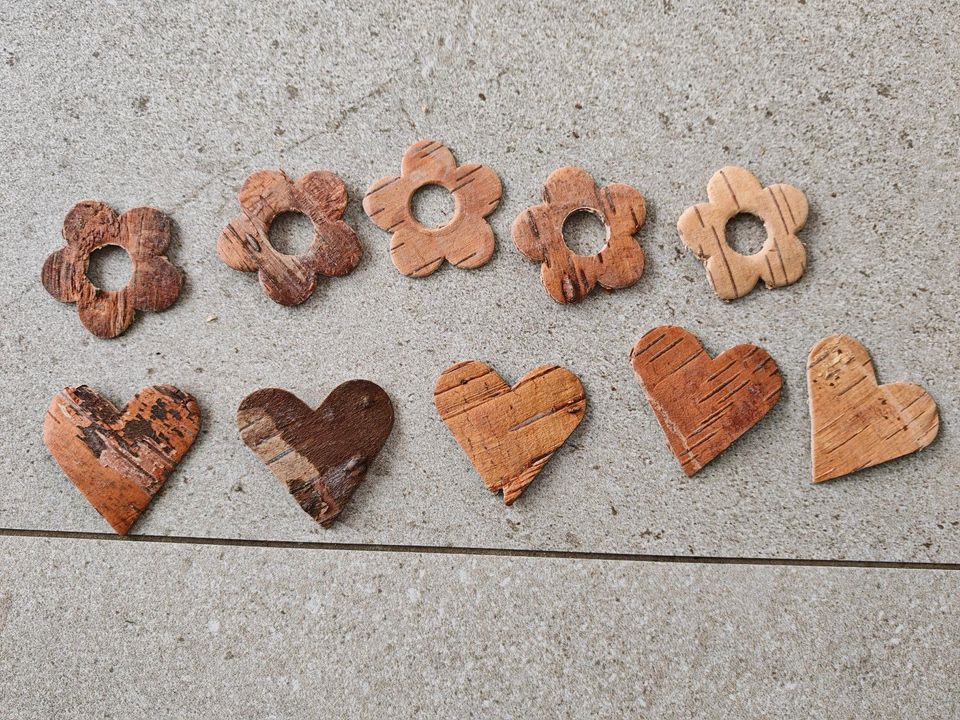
<point>703,404</point>
<point>321,455</point>
<point>290,279</point>
<point>566,276</point>
<point>466,241</point>
<point>783,209</point>
<point>120,459</point>
<point>856,423</point>
<point>509,433</point>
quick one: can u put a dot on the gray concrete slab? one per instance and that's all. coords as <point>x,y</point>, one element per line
<point>122,629</point>
<point>170,104</point>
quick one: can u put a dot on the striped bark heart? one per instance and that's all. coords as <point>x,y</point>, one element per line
<point>321,455</point>
<point>703,404</point>
<point>509,433</point>
<point>855,422</point>
<point>119,459</point>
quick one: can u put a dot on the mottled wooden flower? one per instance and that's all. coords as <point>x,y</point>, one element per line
<point>566,276</point>
<point>466,241</point>
<point>290,279</point>
<point>154,282</point>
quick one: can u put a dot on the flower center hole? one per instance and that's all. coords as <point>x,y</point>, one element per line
<point>110,267</point>
<point>291,233</point>
<point>746,234</point>
<point>432,206</point>
<point>584,232</point>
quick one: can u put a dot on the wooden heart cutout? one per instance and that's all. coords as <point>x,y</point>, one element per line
<point>321,455</point>
<point>509,433</point>
<point>855,422</point>
<point>703,404</point>
<point>119,459</point>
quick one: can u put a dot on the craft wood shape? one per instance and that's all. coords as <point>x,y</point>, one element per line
<point>290,279</point>
<point>703,404</point>
<point>466,241</point>
<point>320,455</point>
<point>509,433</point>
<point>782,208</point>
<point>855,422</point>
<point>566,276</point>
<point>154,283</point>
<point>119,459</point>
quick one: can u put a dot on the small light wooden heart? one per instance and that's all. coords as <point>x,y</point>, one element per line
<point>321,455</point>
<point>855,422</point>
<point>703,404</point>
<point>509,433</point>
<point>119,459</point>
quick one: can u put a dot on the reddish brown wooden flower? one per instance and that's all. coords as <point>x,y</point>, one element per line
<point>154,283</point>
<point>290,279</point>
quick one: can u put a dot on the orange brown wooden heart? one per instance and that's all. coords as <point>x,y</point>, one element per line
<point>509,433</point>
<point>119,459</point>
<point>855,422</point>
<point>321,455</point>
<point>703,404</point>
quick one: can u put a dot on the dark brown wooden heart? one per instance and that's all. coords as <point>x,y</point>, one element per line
<point>119,459</point>
<point>703,404</point>
<point>321,455</point>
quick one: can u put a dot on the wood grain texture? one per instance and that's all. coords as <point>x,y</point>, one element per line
<point>782,208</point>
<point>509,433</point>
<point>703,404</point>
<point>154,282</point>
<point>466,241</point>
<point>290,279</point>
<point>320,455</point>
<point>119,459</point>
<point>855,422</point>
<point>566,276</point>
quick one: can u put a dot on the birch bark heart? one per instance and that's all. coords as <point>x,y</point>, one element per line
<point>703,404</point>
<point>119,459</point>
<point>509,433</point>
<point>855,422</point>
<point>321,455</point>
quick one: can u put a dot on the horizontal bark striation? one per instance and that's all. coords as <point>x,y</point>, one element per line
<point>703,404</point>
<point>509,433</point>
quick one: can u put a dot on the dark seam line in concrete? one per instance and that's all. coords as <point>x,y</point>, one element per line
<point>495,552</point>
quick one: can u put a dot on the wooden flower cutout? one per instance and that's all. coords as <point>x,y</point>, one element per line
<point>538,233</point>
<point>290,279</point>
<point>783,210</point>
<point>154,282</point>
<point>466,241</point>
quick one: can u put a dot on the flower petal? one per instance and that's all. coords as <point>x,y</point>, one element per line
<point>571,186</point>
<point>63,275</point>
<point>387,202</point>
<point>476,188</point>
<point>470,243</point>
<point>427,161</point>
<point>624,209</point>
<point>534,232</point>
<point>265,188</point>
<point>335,250</point>
<point>105,313</point>
<point>155,284</point>
<point>287,283</point>
<point>720,187</point>
<point>90,224</point>
<point>324,192</point>
<point>241,244</point>
<point>145,231</point>
<point>415,252</point>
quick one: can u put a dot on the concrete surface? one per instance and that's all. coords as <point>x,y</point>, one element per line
<point>167,104</point>
<point>274,633</point>
<point>173,104</point>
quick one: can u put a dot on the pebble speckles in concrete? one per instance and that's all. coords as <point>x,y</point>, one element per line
<point>138,629</point>
<point>173,105</point>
